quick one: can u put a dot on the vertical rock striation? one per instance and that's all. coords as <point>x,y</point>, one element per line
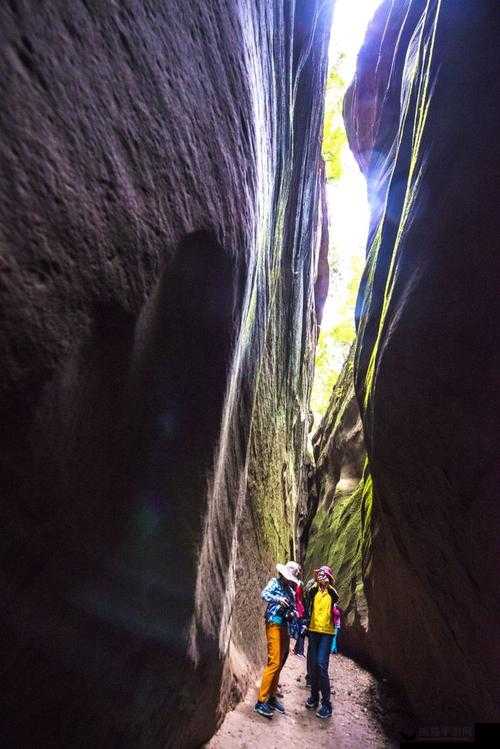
<point>426,366</point>
<point>334,528</point>
<point>159,233</point>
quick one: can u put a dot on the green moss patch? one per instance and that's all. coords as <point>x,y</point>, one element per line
<point>341,537</point>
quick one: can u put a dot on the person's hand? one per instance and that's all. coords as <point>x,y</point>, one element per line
<point>284,602</point>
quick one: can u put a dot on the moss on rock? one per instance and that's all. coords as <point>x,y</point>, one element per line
<point>341,537</point>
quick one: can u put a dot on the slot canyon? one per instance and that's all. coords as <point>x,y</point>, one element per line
<point>163,272</point>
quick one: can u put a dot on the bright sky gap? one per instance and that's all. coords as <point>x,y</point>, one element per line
<point>348,211</point>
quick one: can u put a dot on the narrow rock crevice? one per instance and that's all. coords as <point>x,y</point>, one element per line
<point>163,239</point>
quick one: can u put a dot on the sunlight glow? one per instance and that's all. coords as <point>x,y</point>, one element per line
<point>348,210</point>
<point>347,198</point>
<point>350,19</point>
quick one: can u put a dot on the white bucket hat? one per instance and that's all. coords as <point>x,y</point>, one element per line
<point>290,571</point>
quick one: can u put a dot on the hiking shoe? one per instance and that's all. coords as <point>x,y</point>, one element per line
<point>325,711</point>
<point>274,704</point>
<point>311,704</point>
<point>263,709</point>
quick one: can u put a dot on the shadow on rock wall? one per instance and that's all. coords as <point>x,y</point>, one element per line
<point>160,233</point>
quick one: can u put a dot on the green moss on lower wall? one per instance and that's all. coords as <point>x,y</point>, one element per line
<point>341,537</point>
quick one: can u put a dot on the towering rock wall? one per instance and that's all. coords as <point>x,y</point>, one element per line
<point>159,242</point>
<point>426,367</point>
<point>334,529</point>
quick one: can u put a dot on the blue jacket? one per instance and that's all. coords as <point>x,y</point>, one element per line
<point>271,594</point>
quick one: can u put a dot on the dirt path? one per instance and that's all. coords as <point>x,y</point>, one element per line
<point>354,724</point>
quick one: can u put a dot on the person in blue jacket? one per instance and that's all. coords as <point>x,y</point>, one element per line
<point>280,598</point>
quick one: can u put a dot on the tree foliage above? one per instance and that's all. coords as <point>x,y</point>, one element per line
<point>334,342</point>
<point>334,135</point>
<point>338,333</point>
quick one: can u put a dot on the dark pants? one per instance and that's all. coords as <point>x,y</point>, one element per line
<point>299,642</point>
<point>319,649</point>
<point>286,651</point>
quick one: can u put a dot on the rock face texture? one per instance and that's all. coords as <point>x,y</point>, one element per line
<point>338,443</point>
<point>333,528</point>
<point>339,455</point>
<point>427,362</point>
<point>160,228</point>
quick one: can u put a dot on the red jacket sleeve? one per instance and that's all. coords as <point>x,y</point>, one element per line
<point>299,602</point>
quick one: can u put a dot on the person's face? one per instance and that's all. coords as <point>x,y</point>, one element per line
<point>322,578</point>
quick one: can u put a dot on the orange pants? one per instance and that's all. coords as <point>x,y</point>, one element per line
<point>278,643</point>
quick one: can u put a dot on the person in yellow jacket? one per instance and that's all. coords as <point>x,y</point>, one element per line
<point>320,601</point>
